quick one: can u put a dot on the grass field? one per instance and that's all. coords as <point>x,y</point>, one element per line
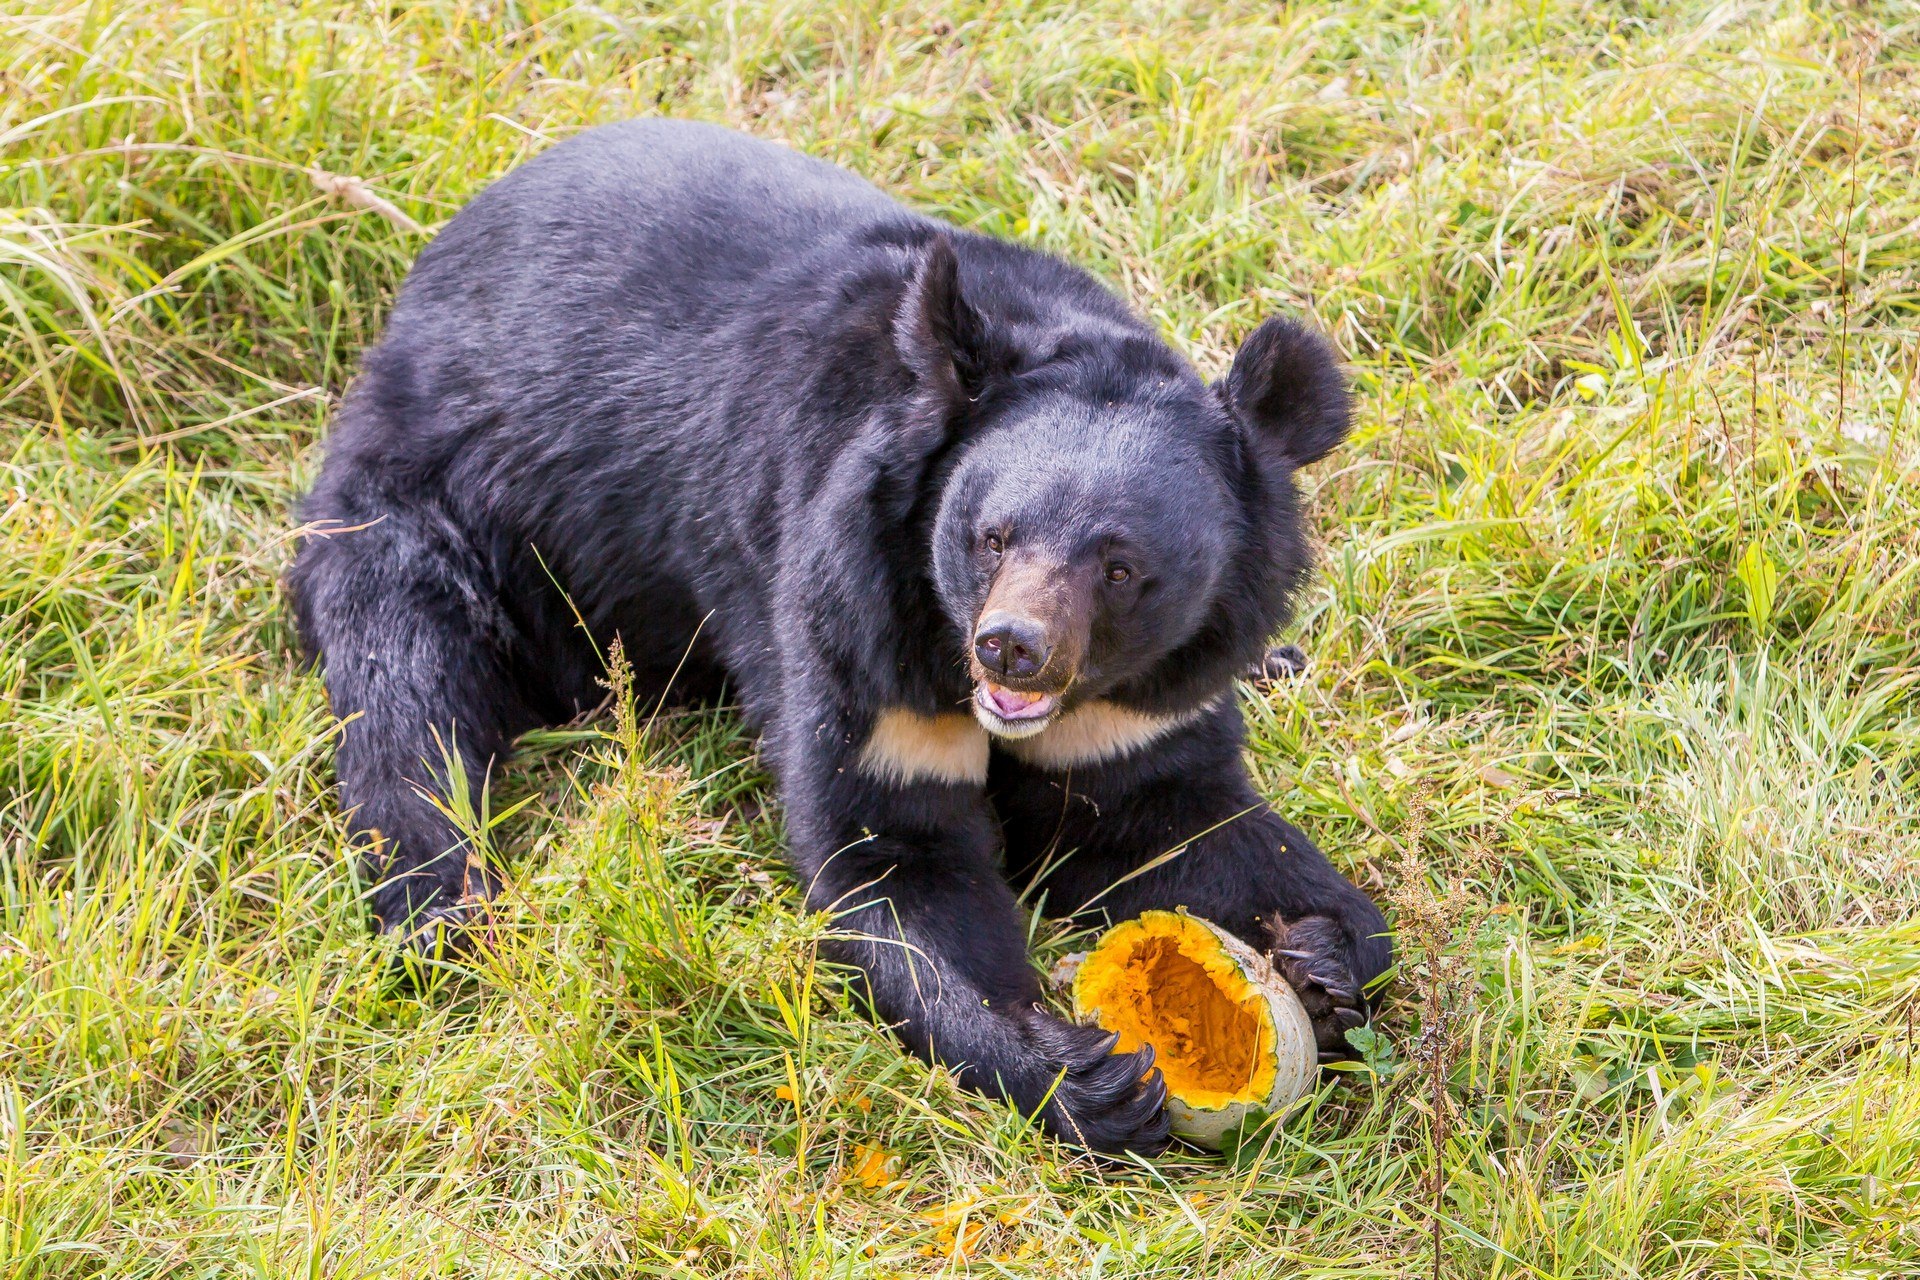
<point>1614,684</point>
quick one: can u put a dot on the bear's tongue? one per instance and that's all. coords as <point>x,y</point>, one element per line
<point>1018,704</point>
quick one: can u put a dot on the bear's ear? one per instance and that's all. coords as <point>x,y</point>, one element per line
<point>938,334</point>
<point>1286,388</point>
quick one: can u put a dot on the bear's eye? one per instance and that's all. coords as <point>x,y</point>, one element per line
<point>994,543</point>
<point>1118,573</point>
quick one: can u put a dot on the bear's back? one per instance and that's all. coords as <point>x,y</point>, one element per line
<point>595,283</point>
<point>674,215</point>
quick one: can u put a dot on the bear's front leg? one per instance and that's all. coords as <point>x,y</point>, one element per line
<point>1173,822</point>
<point>891,834</point>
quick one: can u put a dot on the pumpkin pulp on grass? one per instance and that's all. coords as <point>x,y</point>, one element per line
<point>1165,980</point>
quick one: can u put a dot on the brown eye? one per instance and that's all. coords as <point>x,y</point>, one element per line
<point>994,544</point>
<point>1118,573</point>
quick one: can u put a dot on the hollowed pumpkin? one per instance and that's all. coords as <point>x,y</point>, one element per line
<point>1228,1033</point>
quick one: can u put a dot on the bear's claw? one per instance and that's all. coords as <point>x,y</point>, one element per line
<point>1282,662</point>
<point>1311,955</point>
<point>1104,1101</point>
<point>443,932</point>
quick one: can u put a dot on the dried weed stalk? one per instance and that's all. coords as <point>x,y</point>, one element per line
<point>1437,917</point>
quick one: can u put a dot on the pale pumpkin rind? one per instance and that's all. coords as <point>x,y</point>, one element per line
<point>1228,1033</point>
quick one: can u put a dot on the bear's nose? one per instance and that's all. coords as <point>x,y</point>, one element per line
<point>1010,645</point>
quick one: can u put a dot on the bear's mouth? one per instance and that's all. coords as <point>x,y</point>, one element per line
<point>1012,713</point>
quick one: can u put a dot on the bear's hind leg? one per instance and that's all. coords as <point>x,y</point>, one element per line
<point>416,651</point>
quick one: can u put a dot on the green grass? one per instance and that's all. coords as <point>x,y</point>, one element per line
<point>1614,684</point>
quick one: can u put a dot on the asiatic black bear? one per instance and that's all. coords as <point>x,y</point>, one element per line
<point>973,549</point>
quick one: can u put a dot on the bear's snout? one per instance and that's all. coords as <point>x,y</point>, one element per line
<point>1028,643</point>
<point>1008,644</point>
<point>1032,630</point>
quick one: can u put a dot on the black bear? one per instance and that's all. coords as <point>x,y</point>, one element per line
<point>974,550</point>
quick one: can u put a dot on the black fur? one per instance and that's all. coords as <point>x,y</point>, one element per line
<point>743,411</point>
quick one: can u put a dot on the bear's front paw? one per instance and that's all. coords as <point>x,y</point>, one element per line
<point>1103,1101</point>
<point>1311,954</point>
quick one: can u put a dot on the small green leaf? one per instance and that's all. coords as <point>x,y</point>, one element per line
<point>1375,1050</point>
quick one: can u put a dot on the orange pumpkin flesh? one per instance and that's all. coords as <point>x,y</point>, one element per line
<point>1167,980</point>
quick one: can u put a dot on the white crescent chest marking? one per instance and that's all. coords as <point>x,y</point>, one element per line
<point>1098,731</point>
<point>906,746</point>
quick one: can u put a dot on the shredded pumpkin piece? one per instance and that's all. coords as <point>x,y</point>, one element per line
<point>1164,980</point>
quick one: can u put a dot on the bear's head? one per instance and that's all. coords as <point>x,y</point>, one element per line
<point>1110,529</point>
